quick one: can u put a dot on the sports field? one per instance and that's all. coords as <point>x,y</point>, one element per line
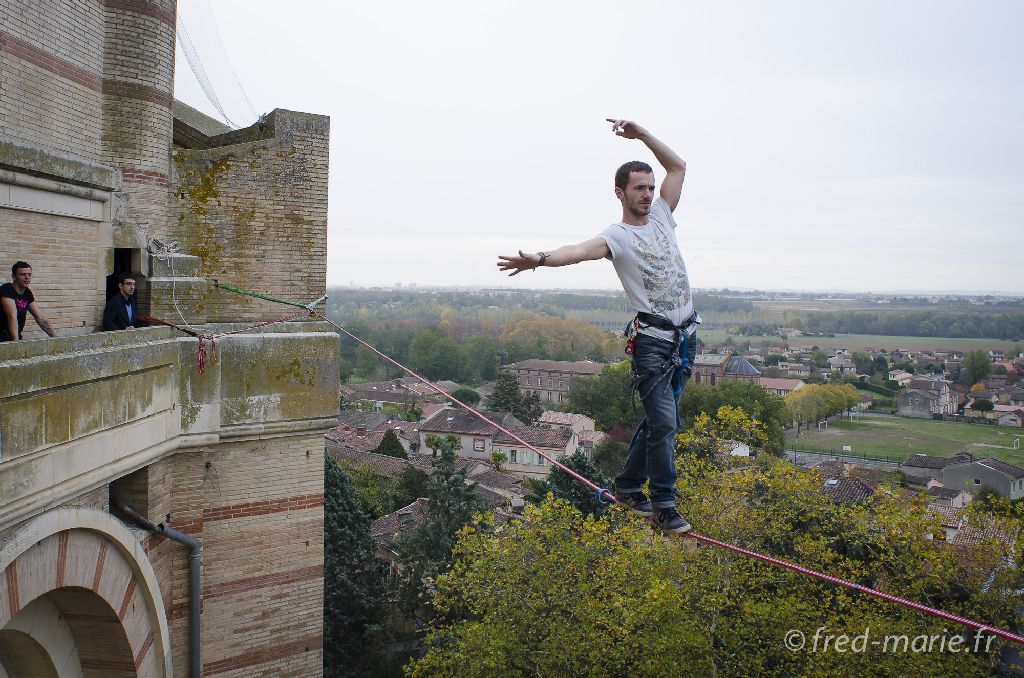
<point>894,438</point>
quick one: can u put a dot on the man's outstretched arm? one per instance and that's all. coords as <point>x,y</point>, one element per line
<point>675,167</point>
<point>588,250</point>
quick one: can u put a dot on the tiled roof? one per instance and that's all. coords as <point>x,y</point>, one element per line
<point>1015,472</point>
<point>503,482</point>
<point>381,464</point>
<point>929,395</point>
<point>460,421</point>
<point>948,516</point>
<point>561,418</point>
<point>739,367</point>
<point>847,490</point>
<point>830,468</point>
<point>388,528</point>
<point>354,418</point>
<point>596,437</point>
<point>709,359</point>
<point>540,437</point>
<point>972,535</point>
<point>780,383</point>
<point>568,366</point>
<point>944,492</point>
<point>930,461</point>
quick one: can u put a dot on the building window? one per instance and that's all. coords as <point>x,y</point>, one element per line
<point>549,382</point>
<point>550,396</point>
<point>479,444</point>
<point>541,460</point>
<point>977,481</point>
<point>512,454</point>
<point>560,384</point>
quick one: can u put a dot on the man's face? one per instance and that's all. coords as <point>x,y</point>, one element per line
<point>127,287</point>
<point>638,195</point>
<point>23,277</point>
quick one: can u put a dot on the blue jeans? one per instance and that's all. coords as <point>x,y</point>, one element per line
<point>651,451</point>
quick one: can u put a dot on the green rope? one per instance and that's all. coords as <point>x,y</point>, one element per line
<point>258,295</point>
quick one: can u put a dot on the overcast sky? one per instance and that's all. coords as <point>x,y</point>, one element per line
<point>830,145</point>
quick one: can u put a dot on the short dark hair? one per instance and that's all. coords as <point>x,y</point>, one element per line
<point>121,277</point>
<point>622,174</point>
<point>17,265</point>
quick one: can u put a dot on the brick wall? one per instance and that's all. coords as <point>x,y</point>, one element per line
<point>51,74</point>
<point>65,256</point>
<point>257,507</point>
<point>256,213</point>
<point>138,87</point>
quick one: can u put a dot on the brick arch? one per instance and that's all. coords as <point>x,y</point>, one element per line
<point>94,571</point>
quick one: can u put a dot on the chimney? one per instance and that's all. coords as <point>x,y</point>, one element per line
<point>361,431</point>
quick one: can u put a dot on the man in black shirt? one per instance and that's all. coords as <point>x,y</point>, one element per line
<point>120,311</point>
<point>16,301</point>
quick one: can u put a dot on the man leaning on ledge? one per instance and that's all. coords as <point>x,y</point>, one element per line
<point>17,301</point>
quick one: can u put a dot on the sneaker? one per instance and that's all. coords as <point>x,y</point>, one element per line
<point>638,502</point>
<point>669,520</point>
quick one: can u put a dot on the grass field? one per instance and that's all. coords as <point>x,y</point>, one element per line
<point>897,437</point>
<point>862,341</point>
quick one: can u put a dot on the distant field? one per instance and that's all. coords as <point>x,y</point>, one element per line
<point>861,341</point>
<point>895,438</point>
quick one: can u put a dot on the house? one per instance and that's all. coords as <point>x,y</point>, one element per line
<point>709,368</point>
<point>555,442</point>
<point>901,377</point>
<point>588,440</point>
<point>926,397</point>
<point>551,379</point>
<point>930,466</point>
<point>1006,480</point>
<point>388,531</point>
<point>780,386</point>
<point>738,368</point>
<point>950,520</point>
<point>948,496</point>
<point>712,368</point>
<point>570,421</point>
<point>475,434</point>
<point>842,364</point>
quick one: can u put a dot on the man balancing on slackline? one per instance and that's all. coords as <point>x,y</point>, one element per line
<point>662,336</point>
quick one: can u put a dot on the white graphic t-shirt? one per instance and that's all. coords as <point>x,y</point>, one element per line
<point>650,267</point>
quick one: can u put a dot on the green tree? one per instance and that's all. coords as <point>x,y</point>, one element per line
<point>756,402</point>
<point>561,594</point>
<point>391,445</point>
<point>482,358</point>
<point>610,456</point>
<point>426,551</point>
<point>976,368</point>
<point>466,395</point>
<point>506,396</point>
<point>709,436</point>
<point>880,365</point>
<point>606,398</point>
<point>773,359</point>
<point>564,486</point>
<point>355,598</point>
<point>498,458</point>
<point>819,358</point>
<point>983,405</point>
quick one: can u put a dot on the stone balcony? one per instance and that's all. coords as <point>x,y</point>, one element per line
<point>77,412</point>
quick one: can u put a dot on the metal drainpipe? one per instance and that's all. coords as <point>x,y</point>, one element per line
<point>194,563</point>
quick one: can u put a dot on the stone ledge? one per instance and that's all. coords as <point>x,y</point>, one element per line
<point>48,164</point>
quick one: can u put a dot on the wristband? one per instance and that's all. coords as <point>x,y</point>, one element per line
<point>543,257</point>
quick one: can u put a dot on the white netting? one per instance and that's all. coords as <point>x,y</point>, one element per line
<point>204,78</point>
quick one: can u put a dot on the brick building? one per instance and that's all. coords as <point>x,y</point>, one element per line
<point>96,163</point>
<point>551,379</point>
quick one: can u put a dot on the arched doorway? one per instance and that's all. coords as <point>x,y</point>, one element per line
<point>78,597</point>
